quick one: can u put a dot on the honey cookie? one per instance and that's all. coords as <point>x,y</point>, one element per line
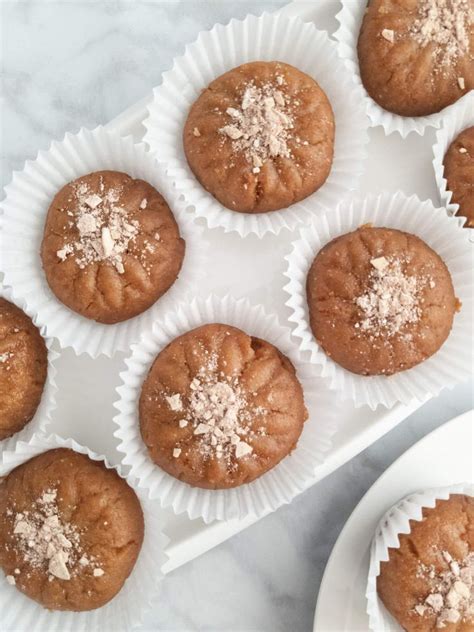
<point>428,582</point>
<point>380,300</point>
<point>459,173</point>
<point>260,137</point>
<point>23,368</point>
<point>70,530</point>
<point>417,56</point>
<point>220,408</point>
<point>111,246</point>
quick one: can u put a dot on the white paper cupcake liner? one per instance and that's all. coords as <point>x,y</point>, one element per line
<point>395,522</point>
<point>350,20</point>
<point>272,490</point>
<point>28,197</point>
<point>128,607</point>
<point>42,416</point>
<point>264,38</point>
<point>453,362</point>
<point>459,117</point>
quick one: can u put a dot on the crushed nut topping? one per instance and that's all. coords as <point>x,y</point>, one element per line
<point>444,23</point>
<point>219,414</point>
<point>261,128</point>
<point>48,542</point>
<point>104,229</point>
<point>451,596</point>
<point>392,299</point>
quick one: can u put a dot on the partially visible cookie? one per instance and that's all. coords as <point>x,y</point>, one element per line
<point>220,408</point>
<point>111,246</point>
<point>70,530</point>
<point>428,581</point>
<point>23,368</point>
<point>459,173</point>
<point>417,56</point>
<point>260,137</point>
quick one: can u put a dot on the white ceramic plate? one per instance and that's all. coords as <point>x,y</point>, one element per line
<point>341,603</point>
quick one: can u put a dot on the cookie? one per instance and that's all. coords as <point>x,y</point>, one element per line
<point>70,530</point>
<point>459,173</point>
<point>416,57</point>
<point>260,137</point>
<point>380,301</point>
<point>23,369</point>
<point>111,246</point>
<point>220,408</point>
<point>427,583</point>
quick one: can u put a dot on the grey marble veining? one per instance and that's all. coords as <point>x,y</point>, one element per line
<point>68,64</point>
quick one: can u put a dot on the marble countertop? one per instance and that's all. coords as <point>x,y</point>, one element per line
<point>68,64</point>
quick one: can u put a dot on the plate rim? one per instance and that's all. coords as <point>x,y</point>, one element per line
<point>354,516</point>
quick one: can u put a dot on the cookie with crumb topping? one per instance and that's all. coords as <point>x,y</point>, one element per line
<point>111,246</point>
<point>220,408</point>
<point>428,581</point>
<point>416,57</point>
<point>380,300</point>
<point>260,137</point>
<point>70,530</point>
<point>459,173</point>
<point>23,368</point>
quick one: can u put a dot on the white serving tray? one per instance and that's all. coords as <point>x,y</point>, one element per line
<point>341,603</point>
<point>87,387</point>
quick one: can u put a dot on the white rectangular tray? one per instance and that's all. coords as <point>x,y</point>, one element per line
<point>393,164</point>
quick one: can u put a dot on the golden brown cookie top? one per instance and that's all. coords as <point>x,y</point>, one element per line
<point>260,137</point>
<point>70,530</point>
<point>417,56</point>
<point>380,300</point>
<point>428,582</point>
<point>23,368</point>
<point>219,408</point>
<point>111,246</point>
<point>459,173</point>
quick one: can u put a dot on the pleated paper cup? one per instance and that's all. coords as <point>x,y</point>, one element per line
<point>264,38</point>
<point>273,489</point>
<point>459,118</point>
<point>452,364</point>
<point>140,591</point>
<point>42,416</point>
<point>347,34</point>
<point>27,200</point>
<point>395,522</point>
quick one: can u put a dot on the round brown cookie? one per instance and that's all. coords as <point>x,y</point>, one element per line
<point>111,246</point>
<point>23,368</point>
<point>260,137</point>
<point>459,172</point>
<point>426,584</point>
<point>380,300</point>
<point>70,530</point>
<point>416,56</point>
<point>220,408</point>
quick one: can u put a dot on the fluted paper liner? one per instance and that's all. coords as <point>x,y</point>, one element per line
<point>42,416</point>
<point>264,38</point>
<point>446,368</point>
<point>347,34</point>
<point>127,609</point>
<point>395,522</point>
<point>273,489</point>
<point>459,117</point>
<point>28,197</point>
